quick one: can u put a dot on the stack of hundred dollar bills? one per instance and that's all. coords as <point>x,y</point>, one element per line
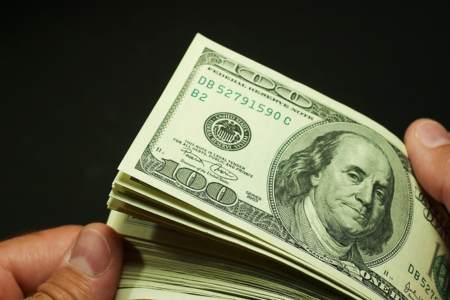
<point>245,184</point>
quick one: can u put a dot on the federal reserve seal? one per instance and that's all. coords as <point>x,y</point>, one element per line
<point>227,131</point>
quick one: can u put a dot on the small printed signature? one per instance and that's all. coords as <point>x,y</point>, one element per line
<point>216,168</point>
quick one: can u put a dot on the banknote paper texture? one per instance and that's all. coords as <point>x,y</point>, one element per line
<point>296,169</point>
<point>158,259</point>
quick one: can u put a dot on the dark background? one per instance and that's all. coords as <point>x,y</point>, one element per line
<point>78,82</point>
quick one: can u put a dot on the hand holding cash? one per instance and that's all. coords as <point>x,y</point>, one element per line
<point>244,184</point>
<point>256,186</point>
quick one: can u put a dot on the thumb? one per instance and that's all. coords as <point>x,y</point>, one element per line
<point>90,268</point>
<point>428,146</point>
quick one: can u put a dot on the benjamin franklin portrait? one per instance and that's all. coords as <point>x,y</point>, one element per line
<point>335,194</point>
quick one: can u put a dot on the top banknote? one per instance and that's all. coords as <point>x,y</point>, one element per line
<point>284,168</point>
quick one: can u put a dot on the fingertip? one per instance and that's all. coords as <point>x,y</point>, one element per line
<point>104,247</point>
<point>428,146</point>
<point>105,283</point>
<point>413,145</point>
<point>429,133</point>
<point>113,239</point>
<point>409,132</point>
<point>91,268</point>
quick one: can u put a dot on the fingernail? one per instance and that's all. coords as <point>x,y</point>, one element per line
<point>432,134</point>
<point>91,253</point>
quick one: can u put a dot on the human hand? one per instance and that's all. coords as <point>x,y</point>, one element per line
<point>84,262</point>
<point>68,262</point>
<point>428,146</point>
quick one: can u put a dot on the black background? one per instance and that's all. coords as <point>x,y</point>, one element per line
<point>78,82</point>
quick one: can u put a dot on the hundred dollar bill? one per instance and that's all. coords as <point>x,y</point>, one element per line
<point>163,263</point>
<point>127,197</point>
<point>287,168</point>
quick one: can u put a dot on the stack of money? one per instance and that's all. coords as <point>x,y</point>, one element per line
<point>244,184</point>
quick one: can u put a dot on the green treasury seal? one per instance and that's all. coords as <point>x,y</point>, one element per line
<point>227,131</point>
